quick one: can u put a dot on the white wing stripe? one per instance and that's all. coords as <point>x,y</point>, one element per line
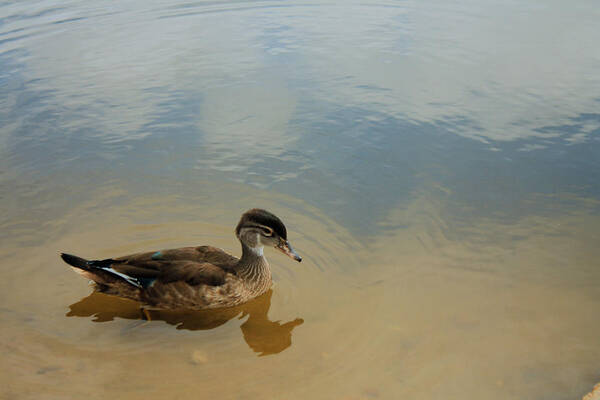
<point>128,278</point>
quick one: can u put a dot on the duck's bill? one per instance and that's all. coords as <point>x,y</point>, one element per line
<point>286,248</point>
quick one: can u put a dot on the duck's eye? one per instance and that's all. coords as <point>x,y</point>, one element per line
<point>267,232</point>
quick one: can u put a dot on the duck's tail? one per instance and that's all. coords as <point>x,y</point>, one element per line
<point>91,269</point>
<point>75,261</point>
<point>106,279</point>
<point>82,267</point>
<point>104,274</point>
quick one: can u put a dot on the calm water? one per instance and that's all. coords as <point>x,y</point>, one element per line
<point>437,165</point>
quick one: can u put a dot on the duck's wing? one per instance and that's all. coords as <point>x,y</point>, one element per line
<point>144,274</point>
<point>199,254</point>
<point>142,270</point>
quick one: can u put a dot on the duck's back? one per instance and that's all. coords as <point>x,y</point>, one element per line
<point>199,254</point>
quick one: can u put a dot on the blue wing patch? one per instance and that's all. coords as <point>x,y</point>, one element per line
<point>146,282</point>
<point>157,256</point>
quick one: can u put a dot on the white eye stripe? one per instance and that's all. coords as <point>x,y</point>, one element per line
<point>264,230</point>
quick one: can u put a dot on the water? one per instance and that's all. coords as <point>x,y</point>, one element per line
<point>437,166</point>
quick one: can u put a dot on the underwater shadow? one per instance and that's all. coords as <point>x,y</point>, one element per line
<point>262,335</point>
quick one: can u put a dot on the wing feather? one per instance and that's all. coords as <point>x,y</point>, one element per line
<point>203,265</point>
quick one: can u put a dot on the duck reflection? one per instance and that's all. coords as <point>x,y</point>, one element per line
<point>262,335</point>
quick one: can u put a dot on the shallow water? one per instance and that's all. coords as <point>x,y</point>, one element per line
<point>436,164</point>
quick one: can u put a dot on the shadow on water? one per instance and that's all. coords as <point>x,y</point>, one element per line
<point>261,334</point>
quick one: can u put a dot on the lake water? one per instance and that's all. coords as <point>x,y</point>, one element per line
<point>437,165</point>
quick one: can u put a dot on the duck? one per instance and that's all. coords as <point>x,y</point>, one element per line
<point>193,278</point>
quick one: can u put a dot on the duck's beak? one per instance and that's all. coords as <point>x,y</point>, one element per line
<point>286,248</point>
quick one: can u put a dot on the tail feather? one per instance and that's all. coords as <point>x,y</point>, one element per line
<point>75,261</point>
<point>101,271</point>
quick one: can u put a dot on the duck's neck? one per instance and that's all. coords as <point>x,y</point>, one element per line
<point>254,268</point>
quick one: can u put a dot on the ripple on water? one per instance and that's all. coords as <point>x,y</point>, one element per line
<point>111,332</point>
<point>467,270</point>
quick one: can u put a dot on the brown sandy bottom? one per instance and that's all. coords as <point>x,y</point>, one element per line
<point>411,313</point>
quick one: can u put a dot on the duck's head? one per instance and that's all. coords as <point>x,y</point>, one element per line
<point>258,228</point>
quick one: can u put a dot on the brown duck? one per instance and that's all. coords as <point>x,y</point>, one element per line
<point>193,277</point>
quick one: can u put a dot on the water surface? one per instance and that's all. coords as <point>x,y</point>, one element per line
<point>436,164</point>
